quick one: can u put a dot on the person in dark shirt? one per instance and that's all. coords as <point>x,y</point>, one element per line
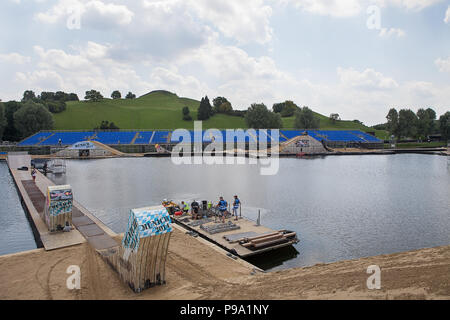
<point>222,205</point>
<point>236,205</point>
<point>195,208</point>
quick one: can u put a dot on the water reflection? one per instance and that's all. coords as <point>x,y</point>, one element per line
<point>341,207</point>
<point>15,231</point>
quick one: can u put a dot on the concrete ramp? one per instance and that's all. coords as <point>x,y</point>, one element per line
<point>18,159</point>
<point>105,147</point>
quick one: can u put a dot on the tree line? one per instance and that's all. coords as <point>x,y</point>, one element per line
<point>257,116</point>
<point>19,119</point>
<point>405,124</point>
<point>95,96</point>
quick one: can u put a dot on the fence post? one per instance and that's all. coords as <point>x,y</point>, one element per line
<point>258,222</point>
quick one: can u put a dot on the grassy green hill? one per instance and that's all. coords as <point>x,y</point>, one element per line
<point>161,110</point>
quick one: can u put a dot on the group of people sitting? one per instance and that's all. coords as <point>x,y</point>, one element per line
<point>221,208</point>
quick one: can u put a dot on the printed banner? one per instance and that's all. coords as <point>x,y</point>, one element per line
<point>59,200</point>
<point>146,222</point>
<point>302,143</point>
<point>83,145</point>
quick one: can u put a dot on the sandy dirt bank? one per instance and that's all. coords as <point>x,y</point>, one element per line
<point>197,271</point>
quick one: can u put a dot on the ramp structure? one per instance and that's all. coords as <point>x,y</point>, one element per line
<point>302,144</point>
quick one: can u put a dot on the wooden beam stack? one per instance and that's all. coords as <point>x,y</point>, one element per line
<point>267,240</point>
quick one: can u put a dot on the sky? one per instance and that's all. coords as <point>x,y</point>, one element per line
<point>357,58</point>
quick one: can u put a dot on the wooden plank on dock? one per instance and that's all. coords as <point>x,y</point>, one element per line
<point>246,226</point>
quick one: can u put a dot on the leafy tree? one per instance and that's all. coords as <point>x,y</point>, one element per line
<point>130,95</point>
<point>28,95</point>
<point>11,133</point>
<point>259,117</point>
<point>305,119</point>
<point>392,122</point>
<point>289,109</point>
<point>444,126</point>
<point>73,97</point>
<point>204,110</point>
<point>116,94</point>
<point>106,125</point>
<point>432,118</point>
<point>3,121</point>
<point>407,123</point>
<point>186,114</point>
<point>31,118</point>
<point>334,117</point>
<point>217,102</point>
<point>225,108</point>
<point>58,96</point>
<point>278,107</point>
<point>55,106</point>
<point>423,123</point>
<point>93,96</point>
<point>45,96</point>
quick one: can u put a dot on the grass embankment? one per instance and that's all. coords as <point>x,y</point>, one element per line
<point>163,110</point>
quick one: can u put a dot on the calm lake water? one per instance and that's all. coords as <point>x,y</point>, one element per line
<point>342,207</point>
<point>15,231</point>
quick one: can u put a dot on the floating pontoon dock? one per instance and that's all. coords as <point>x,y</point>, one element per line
<point>242,237</point>
<point>87,227</point>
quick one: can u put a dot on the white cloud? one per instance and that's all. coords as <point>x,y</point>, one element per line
<point>414,5</point>
<point>443,64</point>
<point>107,14</point>
<point>59,59</point>
<point>244,21</point>
<point>183,85</point>
<point>388,32</point>
<point>41,80</point>
<point>368,79</point>
<point>93,13</point>
<point>14,58</point>
<point>350,8</point>
<point>334,8</point>
<point>447,15</point>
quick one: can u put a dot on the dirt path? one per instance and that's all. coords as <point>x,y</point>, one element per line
<point>196,271</point>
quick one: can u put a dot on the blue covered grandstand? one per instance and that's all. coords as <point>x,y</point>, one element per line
<point>151,137</point>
